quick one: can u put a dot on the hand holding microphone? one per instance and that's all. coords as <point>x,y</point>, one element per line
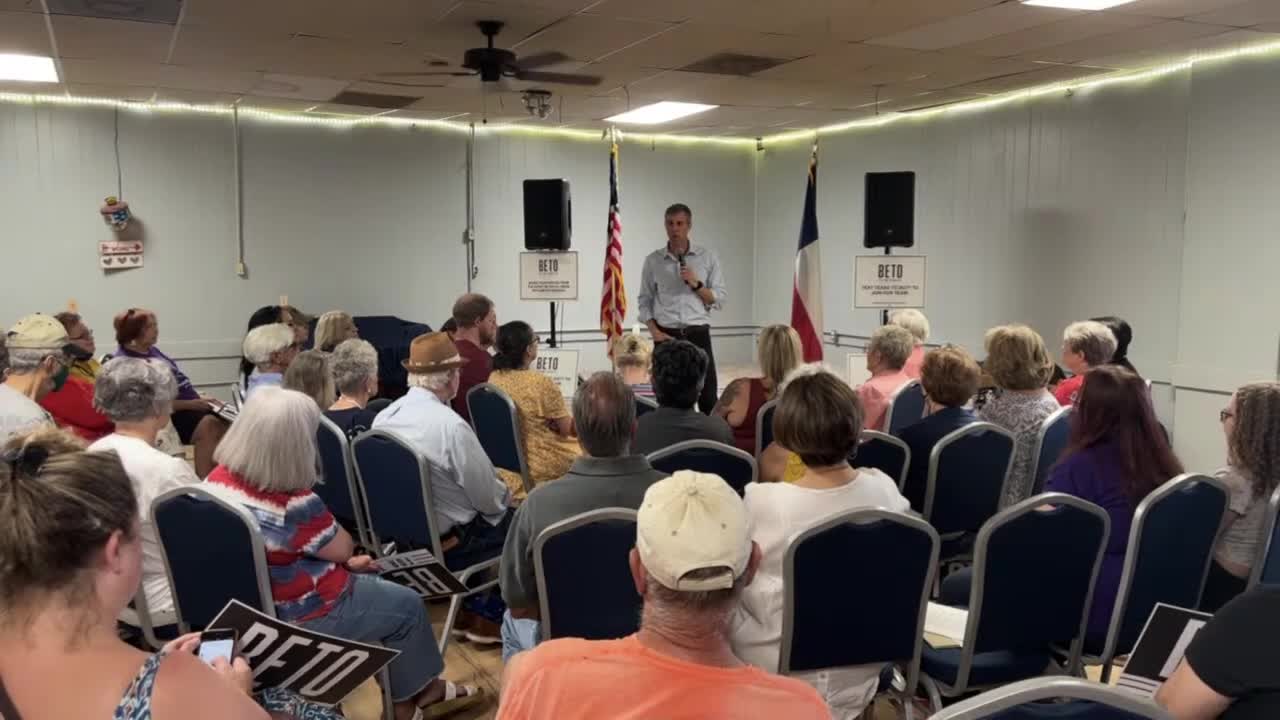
<point>686,274</point>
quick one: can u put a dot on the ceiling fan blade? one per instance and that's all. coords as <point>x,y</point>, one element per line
<point>394,83</point>
<point>426,74</point>
<point>541,60</point>
<point>561,78</point>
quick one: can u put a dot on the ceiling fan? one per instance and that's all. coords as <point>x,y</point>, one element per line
<point>492,64</point>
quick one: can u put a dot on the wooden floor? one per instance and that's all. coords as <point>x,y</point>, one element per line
<point>465,662</point>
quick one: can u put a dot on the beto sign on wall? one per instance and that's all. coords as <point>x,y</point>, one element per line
<point>888,281</point>
<point>548,276</point>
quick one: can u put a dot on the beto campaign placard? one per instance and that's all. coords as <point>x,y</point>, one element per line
<point>421,572</point>
<point>1160,647</point>
<point>320,668</point>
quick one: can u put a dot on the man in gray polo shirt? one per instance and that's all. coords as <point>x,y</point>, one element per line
<point>604,413</point>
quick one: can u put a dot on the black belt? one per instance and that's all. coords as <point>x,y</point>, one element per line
<point>684,332</point>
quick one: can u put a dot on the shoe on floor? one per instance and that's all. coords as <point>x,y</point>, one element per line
<point>484,632</point>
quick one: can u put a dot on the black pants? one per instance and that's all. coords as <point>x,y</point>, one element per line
<point>700,335</point>
<point>1219,588</point>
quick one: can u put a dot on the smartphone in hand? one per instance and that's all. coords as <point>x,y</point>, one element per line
<point>217,644</point>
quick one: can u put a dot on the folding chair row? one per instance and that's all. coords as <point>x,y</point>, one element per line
<point>496,420</point>
<point>708,456</point>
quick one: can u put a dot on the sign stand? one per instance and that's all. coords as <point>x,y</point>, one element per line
<point>884,314</point>
<point>552,340</point>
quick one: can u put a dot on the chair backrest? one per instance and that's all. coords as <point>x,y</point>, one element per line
<point>885,453</point>
<point>497,424</point>
<point>830,619</point>
<point>337,486</point>
<point>1171,542</point>
<point>905,408</point>
<point>1050,443</point>
<point>644,406</point>
<point>1086,701</point>
<point>213,553</point>
<point>584,579</point>
<point>764,427</point>
<point>396,483</point>
<point>1033,575</point>
<point>1266,565</point>
<point>968,469</point>
<point>707,456</point>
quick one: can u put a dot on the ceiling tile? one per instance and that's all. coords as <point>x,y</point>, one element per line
<point>111,72</point>
<point>861,20</point>
<point>297,87</point>
<point>387,21</point>
<point>231,49</point>
<point>521,21</point>
<point>1171,8</point>
<point>836,63</point>
<point>352,59</point>
<point>661,10</point>
<point>985,23</point>
<point>1245,14</point>
<point>82,37</point>
<point>1046,75</point>
<point>1178,51</point>
<point>1056,33</point>
<point>344,110</point>
<point>24,32</point>
<point>9,86</point>
<point>1151,36</point>
<point>208,79</point>
<point>588,37</point>
<point>118,92</point>
<point>274,103</point>
<point>196,97</point>
<point>253,15</point>
<point>21,6</point>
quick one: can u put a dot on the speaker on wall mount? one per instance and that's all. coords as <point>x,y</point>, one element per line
<point>548,216</point>
<point>890,211</point>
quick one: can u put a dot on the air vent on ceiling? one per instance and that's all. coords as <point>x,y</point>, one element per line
<point>733,64</point>
<point>155,11</point>
<point>374,100</point>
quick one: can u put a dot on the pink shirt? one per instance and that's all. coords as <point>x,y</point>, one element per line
<point>875,395</point>
<point>912,368</point>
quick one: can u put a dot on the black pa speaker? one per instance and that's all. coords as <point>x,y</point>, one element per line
<point>548,222</point>
<point>891,210</point>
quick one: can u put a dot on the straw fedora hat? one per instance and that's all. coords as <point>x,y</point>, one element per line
<point>433,353</point>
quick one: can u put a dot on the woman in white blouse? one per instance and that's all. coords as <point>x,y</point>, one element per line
<point>819,418</point>
<point>138,396</point>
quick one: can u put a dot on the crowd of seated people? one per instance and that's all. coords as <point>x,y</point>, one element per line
<point>887,353</point>
<point>679,371</point>
<point>949,376</point>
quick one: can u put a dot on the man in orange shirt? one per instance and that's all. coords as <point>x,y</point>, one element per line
<point>692,558</point>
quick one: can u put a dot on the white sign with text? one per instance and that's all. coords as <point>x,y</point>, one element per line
<point>561,366</point>
<point>549,276</point>
<point>888,281</point>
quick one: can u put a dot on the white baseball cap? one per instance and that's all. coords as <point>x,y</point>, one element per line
<point>692,521</point>
<point>37,332</point>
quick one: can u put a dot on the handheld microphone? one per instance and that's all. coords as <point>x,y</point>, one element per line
<point>681,259</point>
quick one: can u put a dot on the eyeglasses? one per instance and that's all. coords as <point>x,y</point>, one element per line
<point>1224,414</point>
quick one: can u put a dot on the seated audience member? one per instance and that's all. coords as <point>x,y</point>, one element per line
<point>70,558</point>
<point>72,405</point>
<point>1085,346</point>
<point>545,426</point>
<point>299,321</point>
<point>355,373</point>
<point>1019,364</point>
<point>138,397</point>
<point>471,501</point>
<point>819,419</point>
<point>917,324</point>
<point>679,369</point>
<point>1116,456</point>
<point>267,463</point>
<point>779,352</point>
<point>1124,335</point>
<point>609,476</point>
<point>271,349</point>
<point>632,356</point>
<point>1251,422</point>
<point>265,315</point>
<point>477,322</point>
<point>693,558</point>
<point>38,365</point>
<point>137,332</point>
<point>4,359</point>
<point>333,328</point>
<point>887,352</point>
<point>1229,670</point>
<point>950,378</point>
<point>311,374</point>
<point>449,327</point>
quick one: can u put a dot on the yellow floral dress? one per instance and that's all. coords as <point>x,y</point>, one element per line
<point>538,401</point>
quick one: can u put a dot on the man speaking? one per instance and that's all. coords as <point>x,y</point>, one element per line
<point>679,286</point>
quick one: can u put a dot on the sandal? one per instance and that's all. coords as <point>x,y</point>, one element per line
<point>456,697</point>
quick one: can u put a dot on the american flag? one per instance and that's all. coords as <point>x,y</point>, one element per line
<point>613,298</point>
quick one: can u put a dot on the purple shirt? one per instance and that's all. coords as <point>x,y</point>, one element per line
<point>1095,474</point>
<point>186,391</point>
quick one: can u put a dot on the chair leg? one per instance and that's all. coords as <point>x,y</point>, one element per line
<point>931,689</point>
<point>455,604</point>
<point>388,706</point>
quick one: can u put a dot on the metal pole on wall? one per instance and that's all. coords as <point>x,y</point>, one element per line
<point>469,235</point>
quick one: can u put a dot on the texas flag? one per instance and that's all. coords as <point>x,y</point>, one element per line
<point>806,294</point>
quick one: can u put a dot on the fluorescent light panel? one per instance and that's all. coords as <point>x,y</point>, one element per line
<point>660,112</point>
<point>27,68</point>
<point>1077,4</point>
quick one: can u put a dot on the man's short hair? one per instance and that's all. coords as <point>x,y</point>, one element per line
<point>679,369</point>
<point>950,375</point>
<point>604,412</point>
<point>893,344</point>
<point>818,418</point>
<point>263,342</point>
<point>470,309</point>
<point>677,209</point>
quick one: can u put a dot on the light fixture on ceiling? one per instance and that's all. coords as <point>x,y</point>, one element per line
<point>1077,4</point>
<point>27,68</point>
<point>660,112</point>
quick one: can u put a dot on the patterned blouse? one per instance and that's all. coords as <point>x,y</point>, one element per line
<point>538,401</point>
<point>1021,414</point>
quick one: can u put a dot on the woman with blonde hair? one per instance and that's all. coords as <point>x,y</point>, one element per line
<point>311,374</point>
<point>914,322</point>
<point>779,351</point>
<point>632,355</point>
<point>332,328</point>
<point>1019,364</point>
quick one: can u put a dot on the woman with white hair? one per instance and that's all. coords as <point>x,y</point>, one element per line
<point>355,374</point>
<point>333,328</point>
<point>267,463</point>
<point>887,354</point>
<point>271,349</point>
<point>914,322</point>
<point>138,396</point>
<point>1085,346</point>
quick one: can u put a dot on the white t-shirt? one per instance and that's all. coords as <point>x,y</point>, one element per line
<point>152,472</point>
<point>778,511</point>
<point>19,413</point>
